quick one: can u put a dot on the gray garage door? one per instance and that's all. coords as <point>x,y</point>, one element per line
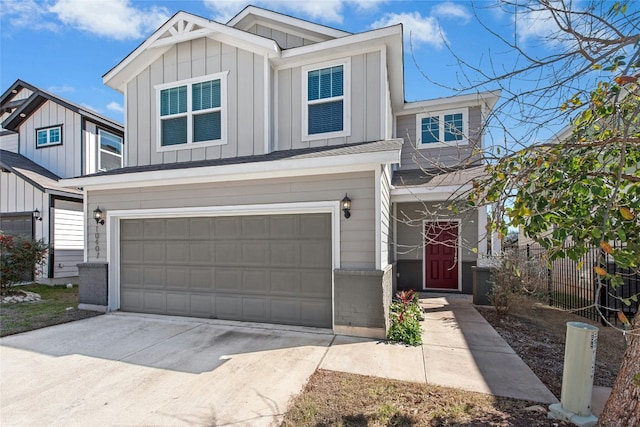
<point>272,269</point>
<point>20,223</point>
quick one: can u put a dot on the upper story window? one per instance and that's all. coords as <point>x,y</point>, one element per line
<point>442,128</point>
<point>326,100</point>
<point>192,112</point>
<point>109,151</point>
<point>46,137</point>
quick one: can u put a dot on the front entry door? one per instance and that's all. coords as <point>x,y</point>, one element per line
<point>440,255</point>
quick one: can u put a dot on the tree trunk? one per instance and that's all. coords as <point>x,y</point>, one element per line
<point>623,407</point>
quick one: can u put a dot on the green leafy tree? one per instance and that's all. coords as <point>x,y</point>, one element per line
<point>584,185</point>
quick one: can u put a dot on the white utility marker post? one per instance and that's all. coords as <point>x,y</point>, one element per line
<point>577,376</point>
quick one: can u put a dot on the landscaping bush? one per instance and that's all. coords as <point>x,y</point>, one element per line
<point>405,319</point>
<point>19,256</point>
<point>514,279</point>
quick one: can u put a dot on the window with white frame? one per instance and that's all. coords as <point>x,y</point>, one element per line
<point>109,150</point>
<point>46,137</point>
<point>192,112</point>
<point>326,100</point>
<point>442,128</point>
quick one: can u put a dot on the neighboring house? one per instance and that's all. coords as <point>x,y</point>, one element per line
<point>241,143</point>
<point>45,138</point>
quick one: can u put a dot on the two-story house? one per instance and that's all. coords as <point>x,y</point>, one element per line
<point>45,138</point>
<point>267,160</point>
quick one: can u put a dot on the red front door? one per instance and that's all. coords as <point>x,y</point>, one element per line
<point>440,255</point>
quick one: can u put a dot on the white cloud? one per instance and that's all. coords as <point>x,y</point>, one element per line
<point>89,107</point>
<point>328,11</point>
<point>421,30</point>
<point>451,10</point>
<point>116,19</point>
<point>114,106</point>
<point>61,89</point>
<point>26,13</point>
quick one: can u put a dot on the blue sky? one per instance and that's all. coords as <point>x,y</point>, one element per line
<point>65,46</point>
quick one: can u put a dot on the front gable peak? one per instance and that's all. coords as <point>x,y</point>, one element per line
<point>182,27</point>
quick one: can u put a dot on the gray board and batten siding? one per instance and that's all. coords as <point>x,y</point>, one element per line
<point>192,59</point>
<point>448,156</point>
<point>365,101</point>
<point>285,40</point>
<point>261,268</point>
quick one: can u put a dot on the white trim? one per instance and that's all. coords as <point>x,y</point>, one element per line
<point>240,172</point>
<point>99,149</point>
<point>441,129</point>
<point>383,92</point>
<point>378,216</point>
<point>125,138</point>
<point>426,194</point>
<point>345,97</point>
<point>458,255</point>
<point>284,19</point>
<point>189,114</point>
<point>85,207</point>
<point>488,98</point>
<point>395,231</point>
<point>326,57</point>
<point>343,41</point>
<point>113,232</point>
<point>47,130</point>
<point>482,231</point>
<point>267,103</point>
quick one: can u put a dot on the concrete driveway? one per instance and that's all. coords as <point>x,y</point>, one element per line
<point>156,371</point>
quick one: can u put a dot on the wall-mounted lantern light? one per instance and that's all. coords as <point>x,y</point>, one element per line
<point>36,215</point>
<point>346,206</point>
<point>98,216</point>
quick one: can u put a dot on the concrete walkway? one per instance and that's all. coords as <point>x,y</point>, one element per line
<point>460,350</point>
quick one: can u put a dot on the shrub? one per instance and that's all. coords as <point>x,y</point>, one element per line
<point>514,279</point>
<point>19,256</point>
<point>405,319</point>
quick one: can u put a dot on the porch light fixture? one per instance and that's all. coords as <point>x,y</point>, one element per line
<point>98,216</point>
<point>36,215</point>
<point>346,206</point>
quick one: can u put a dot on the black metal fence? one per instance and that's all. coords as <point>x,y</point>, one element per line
<point>572,285</point>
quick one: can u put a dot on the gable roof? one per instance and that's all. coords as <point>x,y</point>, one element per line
<point>251,15</point>
<point>36,175</point>
<point>24,108</point>
<point>182,27</point>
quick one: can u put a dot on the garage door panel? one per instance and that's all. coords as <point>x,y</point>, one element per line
<point>228,306</point>
<point>285,310</point>
<point>227,279</point>
<point>255,281</point>
<point>284,227</point>
<point>176,228</point>
<point>315,254</point>
<point>255,309</point>
<point>131,299</point>
<point>201,305</point>
<point>315,226</point>
<point>200,279</point>
<point>285,282</point>
<point>314,313</point>
<point>227,252</point>
<point>132,253</point>
<point>227,227</point>
<point>178,303</point>
<point>131,229</point>
<point>177,277</point>
<point>284,254</point>
<point>154,301</point>
<point>177,252</point>
<point>315,284</point>
<point>154,277</point>
<point>263,268</point>
<point>255,253</point>
<point>255,227</point>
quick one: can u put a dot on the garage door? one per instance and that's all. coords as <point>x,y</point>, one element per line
<point>272,269</point>
<point>21,223</point>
